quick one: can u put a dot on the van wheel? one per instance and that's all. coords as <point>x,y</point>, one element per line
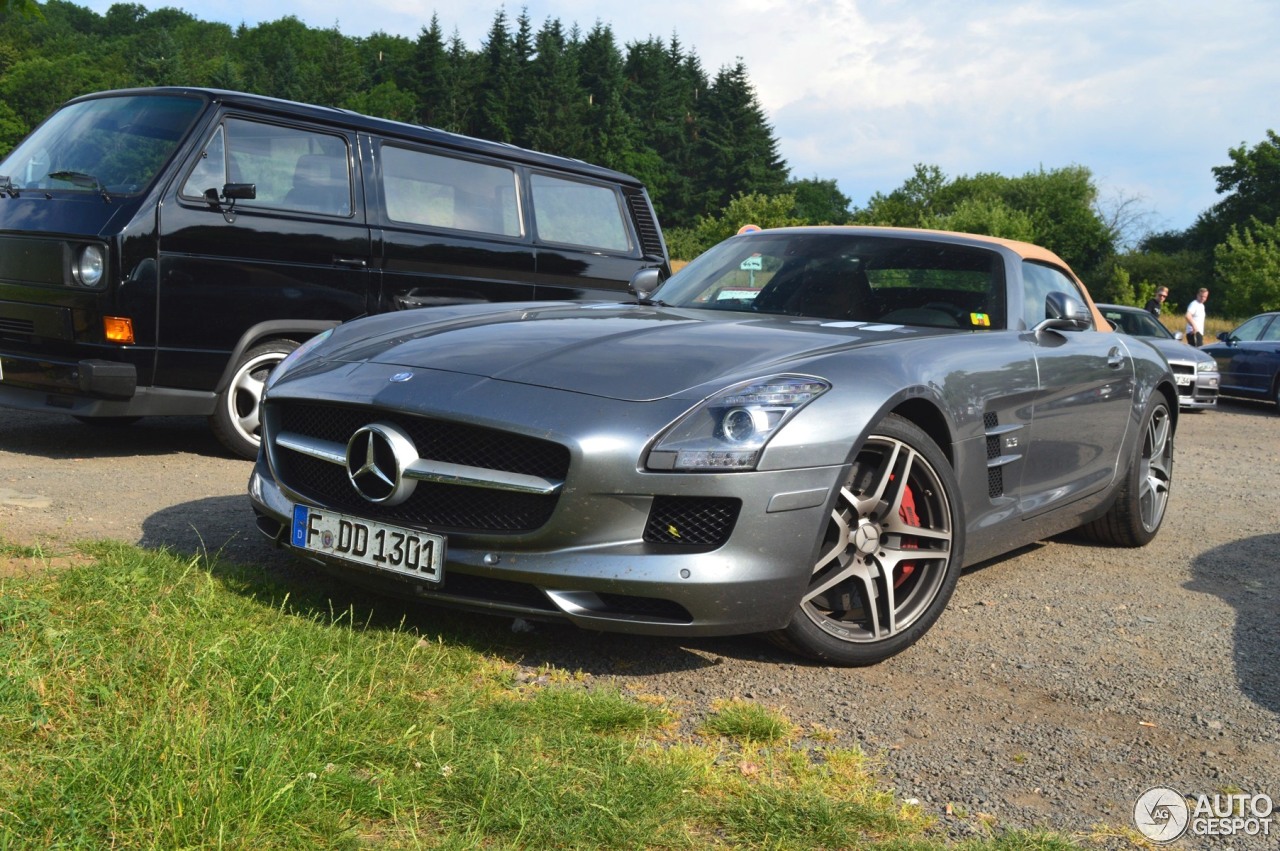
<point>236,421</point>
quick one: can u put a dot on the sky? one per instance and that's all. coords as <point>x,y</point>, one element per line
<point>1149,95</point>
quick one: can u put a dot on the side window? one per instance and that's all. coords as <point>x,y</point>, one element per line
<point>1251,330</point>
<point>293,169</point>
<point>1038,281</point>
<point>577,213</point>
<point>1272,334</point>
<point>211,169</point>
<point>421,188</point>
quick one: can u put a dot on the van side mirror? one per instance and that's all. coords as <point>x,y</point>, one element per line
<point>231,192</point>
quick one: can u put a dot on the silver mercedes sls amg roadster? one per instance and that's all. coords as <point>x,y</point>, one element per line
<point>806,432</point>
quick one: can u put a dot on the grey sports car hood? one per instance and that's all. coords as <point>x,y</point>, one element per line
<point>625,352</point>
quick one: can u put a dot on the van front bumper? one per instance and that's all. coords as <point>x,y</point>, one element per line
<point>90,388</point>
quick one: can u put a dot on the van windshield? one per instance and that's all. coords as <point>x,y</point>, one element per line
<point>113,144</point>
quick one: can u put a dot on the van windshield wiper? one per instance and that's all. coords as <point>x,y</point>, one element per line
<point>79,178</point>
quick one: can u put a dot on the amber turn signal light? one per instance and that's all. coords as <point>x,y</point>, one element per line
<point>119,329</point>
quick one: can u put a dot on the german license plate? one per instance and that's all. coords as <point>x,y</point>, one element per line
<point>378,545</point>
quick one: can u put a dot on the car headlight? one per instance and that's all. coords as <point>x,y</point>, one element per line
<point>295,356</point>
<point>1207,366</point>
<point>90,266</point>
<point>727,431</point>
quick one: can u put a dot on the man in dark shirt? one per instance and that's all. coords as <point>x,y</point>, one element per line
<point>1156,302</point>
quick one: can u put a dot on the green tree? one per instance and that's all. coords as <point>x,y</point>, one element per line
<point>610,132</point>
<point>1247,267</point>
<point>430,73</point>
<point>990,216</point>
<point>1251,185</point>
<point>739,151</point>
<point>766,211</point>
<point>917,203</point>
<point>1183,271</point>
<point>555,97</point>
<point>819,202</point>
<point>496,82</point>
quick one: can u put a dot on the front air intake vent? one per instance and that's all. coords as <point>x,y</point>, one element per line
<point>691,521</point>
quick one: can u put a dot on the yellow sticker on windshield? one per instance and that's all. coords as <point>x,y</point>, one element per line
<point>981,319</point>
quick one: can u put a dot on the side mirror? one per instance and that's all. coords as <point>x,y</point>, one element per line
<point>231,192</point>
<point>1225,337</point>
<point>643,283</point>
<point>1065,313</point>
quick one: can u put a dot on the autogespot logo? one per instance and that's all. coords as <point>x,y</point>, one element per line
<point>1163,814</point>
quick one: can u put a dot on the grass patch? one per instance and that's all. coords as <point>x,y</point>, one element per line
<point>152,701</point>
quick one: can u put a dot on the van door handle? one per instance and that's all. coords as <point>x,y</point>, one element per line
<point>357,262</point>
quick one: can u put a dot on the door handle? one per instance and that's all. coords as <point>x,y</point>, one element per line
<point>354,262</point>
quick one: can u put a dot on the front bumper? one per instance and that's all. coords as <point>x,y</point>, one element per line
<point>590,564</point>
<point>91,388</point>
<point>1201,392</point>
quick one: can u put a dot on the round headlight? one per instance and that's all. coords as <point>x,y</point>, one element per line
<point>742,424</point>
<point>90,266</point>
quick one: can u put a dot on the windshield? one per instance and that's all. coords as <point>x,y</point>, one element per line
<point>115,145</point>
<point>852,277</point>
<point>1137,323</point>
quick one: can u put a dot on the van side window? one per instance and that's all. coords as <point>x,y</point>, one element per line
<point>293,169</point>
<point>448,192</point>
<point>577,213</point>
<point>211,169</point>
<point>1038,281</point>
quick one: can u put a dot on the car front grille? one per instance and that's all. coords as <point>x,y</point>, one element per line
<point>443,507</point>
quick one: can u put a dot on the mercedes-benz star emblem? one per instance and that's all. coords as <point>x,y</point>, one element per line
<point>377,456</point>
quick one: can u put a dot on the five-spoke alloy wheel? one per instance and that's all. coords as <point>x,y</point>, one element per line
<point>890,555</point>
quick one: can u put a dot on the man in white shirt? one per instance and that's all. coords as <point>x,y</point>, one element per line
<point>1195,318</point>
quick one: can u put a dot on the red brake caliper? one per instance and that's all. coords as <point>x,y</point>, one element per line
<point>907,512</point>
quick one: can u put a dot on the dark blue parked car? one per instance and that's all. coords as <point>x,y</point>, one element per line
<point>1249,358</point>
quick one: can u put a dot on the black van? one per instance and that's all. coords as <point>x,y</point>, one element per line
<point>162,249</point>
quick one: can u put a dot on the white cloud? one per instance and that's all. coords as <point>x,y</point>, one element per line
<point>1148,94</point>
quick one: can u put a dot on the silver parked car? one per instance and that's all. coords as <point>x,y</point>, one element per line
<point>1195,371</point>
<point>806,432</point>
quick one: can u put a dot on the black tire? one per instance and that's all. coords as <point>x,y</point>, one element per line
<point>890,556</point>
<point>235,420</point>
<point>1139,509</point>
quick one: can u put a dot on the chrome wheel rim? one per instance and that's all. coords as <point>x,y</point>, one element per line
<point>1156,470</point>
<point>887,547</point>
<point>244,397</point>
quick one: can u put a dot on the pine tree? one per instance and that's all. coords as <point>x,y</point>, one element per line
<point>555,97</point>
<point>496,81</point>
<point>737,148</point>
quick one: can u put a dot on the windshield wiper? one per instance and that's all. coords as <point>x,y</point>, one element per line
<point>79,178</point>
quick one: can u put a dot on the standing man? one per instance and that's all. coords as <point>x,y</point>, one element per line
<point>1156,303</point>
<point>1195,318</point>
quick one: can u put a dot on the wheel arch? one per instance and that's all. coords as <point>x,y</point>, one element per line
<point>929,418</point>
<point>277,329</point>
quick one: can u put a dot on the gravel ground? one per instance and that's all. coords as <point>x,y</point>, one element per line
<point>1063,682</point>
